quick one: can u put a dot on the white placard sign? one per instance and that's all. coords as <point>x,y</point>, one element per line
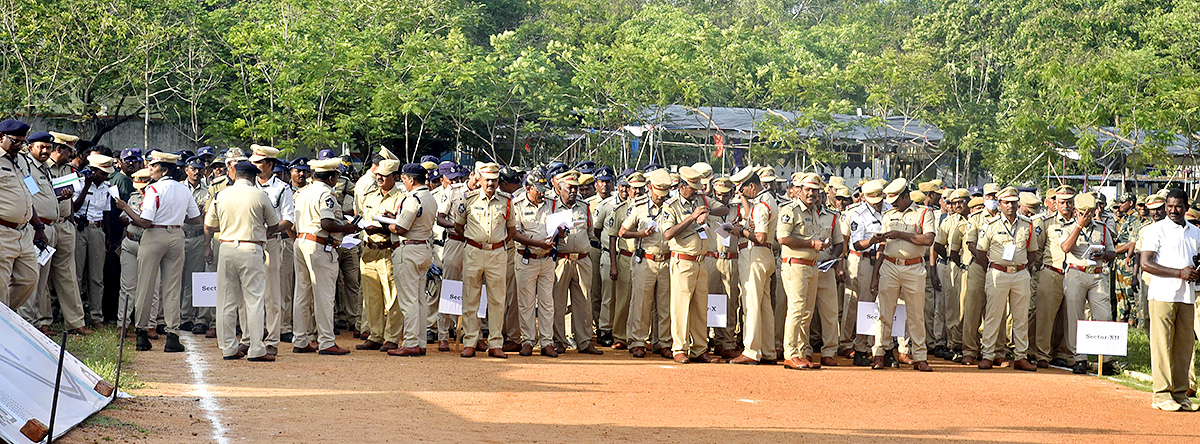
<point>452,298</point>
<point>717,310</point>
<point>1102,338</point>
<point>204,289</point>
<point>868,313</point>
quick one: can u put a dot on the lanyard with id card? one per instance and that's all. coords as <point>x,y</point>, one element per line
<point>32,186</point>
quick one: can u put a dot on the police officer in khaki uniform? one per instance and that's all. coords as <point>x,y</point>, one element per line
<point>1088,243</point>
<point>415,216</point>
<point>621,257</point>
<point>753,234</point>
<point>485,220</point>
<point>973,299</point>
<point>651,283</point>
<point>573,271</point>
<point>283,203</point>
<point>195,319</point>
<point>91,245</point>
<point>319,223</point>
<point>167,206</point>
<point>602,204</point>
<point>825,316</point>
<point>535,267</point>
<point>380,304</point>
<point>946,265</point>
<point>245,217</point>
<point>1049,294</point>
<point>685,228</point>
<point>900,273</point>
<point>723,276</point>
<point>19,223</point>
<point>1010,246</point>
<point>59,165</point>
<point>866,220</point>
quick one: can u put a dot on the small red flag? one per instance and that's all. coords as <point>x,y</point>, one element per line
<point>720,142</point>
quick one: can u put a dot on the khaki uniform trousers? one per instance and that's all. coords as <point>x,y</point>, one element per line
<point>349,290</point>
<point>452,267</point>
<point>410,264</point>
<point>572,279</point>
<point>18,266</point>
<point>273,298</point>
<point>127,297</point>
<point>824,322</point>
<point>59,273</point>
<point>379,290</point>
<point>160,255</point>
<point>800,286</point>
<point>973,304</point>
<point>479,269</point>
<point>689,307</point>
<point>858,271</point>
<point>755,267</point>
<point>778,300</point>
<point>906,283</point>
<point>1049,300</point>
<point>935,309</point>
<point>535,301</point>
<point>622,290</point>
<point>651,300</point>
<point>241,287</point>
<point>1080,288</point>
<point>90,246</point>
<point>512,316</point>
<point>723,279</point>
<point>312,309</point>
<point>1006,291</point>
<point>193,262</point>
<point>287,283</point>
<point>602,298</point>
<point>1172,345</point>
<point>952,285</point>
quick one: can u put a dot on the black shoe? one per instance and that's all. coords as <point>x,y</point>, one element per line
<point>199,329</point>
<point>889,359</point>
<point>957,356</point>
<point>430,337</point>
<point>606,338</point>
<point>1059,362</point>
<point>286,337</point>
<point>453,333</point>
<point>1109,369</point>
<point>940,352</point>
<point>341,325</point>
<point>1081,367</point>
<point>161,329</point>
<point>173,345</point>
<point>186,326</point>
<point>143,343</point>
<point>861,359</point>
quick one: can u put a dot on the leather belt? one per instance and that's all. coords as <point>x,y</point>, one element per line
<point>625,253</point>
<point>1006,268</point>
<point>382,245</point>
<point>313,238</point>
<point>412,242</point>
<point>1056,269</point>
<point>572,256</point>
<point>485,246</point>
<point>862,254</point>
<point>898,261</point>
<point>795,260</point>
<point>655,257</point>
<point>533,255</point>
<point>455,237</point>
<point>88,223</point>
<point>259,243</point>
<point>1095,269</point>
<point>686,257</point>
<point>716,255</point>
<point>14,226</point>
<point>166,227</point>
<point>47,221</point>
<point>133,237</point>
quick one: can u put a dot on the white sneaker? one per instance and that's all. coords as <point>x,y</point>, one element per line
<point>1167,406</point>
<point>1188,406</point>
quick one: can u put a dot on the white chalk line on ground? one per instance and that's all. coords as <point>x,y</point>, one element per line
<point>208,403</point>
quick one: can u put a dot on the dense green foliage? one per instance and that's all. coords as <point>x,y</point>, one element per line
<point>1008,78</point>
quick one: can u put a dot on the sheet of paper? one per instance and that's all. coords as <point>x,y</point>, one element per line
<point>1087,255</point>
<point>724,240</point>
<point>868,313</point>
<point>451,299</point>
<point>718,308</point>
<point>114,192</point>
<point>385,220</point>
<point>204,289</point>
<point>65,181</point>
<point>350,241</point>
<point>555,220</point>
<point>726,227</point>
<point>44,256</point>
<point>702,231</point>
<point>650,224</point>
<point>825,266</point>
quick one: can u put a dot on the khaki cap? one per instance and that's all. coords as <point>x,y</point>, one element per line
<point>1154,201</point>
<point>990,188</point>
<point>1065,192</point>
<point>428,166</point>
<point>586,179</point>
<point>161,157</point>
<point>742,176</point>
<point>1085,201</point>
<point>1191,214</point>
<point>237,155</point>
<point>975,201</point>
<point>705,169</point>
<point>1030,200</point>
<point>928,187</point>
<point>387,154</point>
<point>325,165</point>
<point>809,180</point>
<point>64,139</point>
<point>960,193</point>
<point>872,191</point>
<point>841,191</point>
<point>387,167</point>
<point>101,162</point>
<point>262,152</point>
<point>893,189</point>
<point>488,170</point>
<point>141,178</point>
<point>917,196</point>
<point>1009,194</point>
<point>636,180</point>
<point>722,184</point>
<point>837,181</point>
<point>766,174</point>
<point>692,177</point>
<point>660,182</point>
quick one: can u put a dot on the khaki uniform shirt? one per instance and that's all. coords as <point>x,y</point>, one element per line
<point>375,203</point>
<point>448,199</point>
<point>365,185</point>
<point>201,195</point>
<point>645,214</point>
<point>763,216</point>
<point>971,230</point>
<point>915,219</point>
<point>485,220</point>
<point>417,211</point>
<point>313,203</point>
<point>576,240</point>
<point>1097,234</point>
<point>802,222</point>
<point>832,227</point>
<point>612,226</point>
<point>1051,236</point>
<point>45,201</point>
<point>999,234</point>
<point>242,214</point>
<point>688,240</point>
<point>531,220</point>
<point>135,202</point>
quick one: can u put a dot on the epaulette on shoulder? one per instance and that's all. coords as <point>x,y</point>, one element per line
<point>976,211</point>
<point>1024,218</point>
<point>504,195</point>
<point>854,206</point>
<point>471,194</point>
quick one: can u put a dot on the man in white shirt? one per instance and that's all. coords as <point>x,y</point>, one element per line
<point>283,203</point>
<point>1167,252</point>
<point>90,245</point>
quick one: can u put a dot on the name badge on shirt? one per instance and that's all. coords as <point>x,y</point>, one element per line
<point>32,185</point>
<point>700,231</point>
<point>1010,251</point>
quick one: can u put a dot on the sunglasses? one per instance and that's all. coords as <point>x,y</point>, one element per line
<point>15,141</point>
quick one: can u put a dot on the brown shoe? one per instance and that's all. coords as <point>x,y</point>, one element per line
<point>272,350</point>
<point>550,351</point>
<point>526,350</point>
<point>264,358</point>
<point>311,348</point>
<point>705,358</point>
<point>334,350</point>
<point>497,353</point>
<point>368,345</point>
<point>46,330</point>
<point>151,334</point>
<point>619,345</point>
<point>1042,363</point>
<point>210,334</point>
<point>244,349</point>
<point>468,352</point>
<point>970,360</point>
<point>235,356</point>
<point>728,353</point>
<point>744,360</point>
<point>560,348</point>
<point>481,344</point>
<point>905,358</point>
<point>877,363</point>
<point>986,364</point>
<point>680,358</point>
<point>666,352</point>
<point>443,346</point>
<point>1024,365</point>
<point>1000,362</point>
<point>389,346</point>
<point>828,361</point>
<point>511,346</point>
<point>591,350</point>
<point>364,334</point>
<point>405,351</point>
<point>637,352</point>
<point>847,353</point>
<point>82,331</point>
<point>922,366</point>
<point>804,362</point>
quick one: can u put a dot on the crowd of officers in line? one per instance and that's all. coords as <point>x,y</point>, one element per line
<point>989,276</point>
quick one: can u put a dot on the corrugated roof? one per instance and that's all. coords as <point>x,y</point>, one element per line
<point>747,122</point>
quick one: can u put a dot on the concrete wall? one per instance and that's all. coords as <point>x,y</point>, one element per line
<point>130,134</point>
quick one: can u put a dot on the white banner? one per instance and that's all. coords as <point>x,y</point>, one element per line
<point>451,301</point>
<point>204,289</point>
<point>868,313</point>
<point>1102,338</point>
<point>717,311</point>
<point>28,361</point>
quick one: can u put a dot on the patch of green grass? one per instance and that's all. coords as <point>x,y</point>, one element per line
<point>1138,354</point>
<point>99,352</point>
